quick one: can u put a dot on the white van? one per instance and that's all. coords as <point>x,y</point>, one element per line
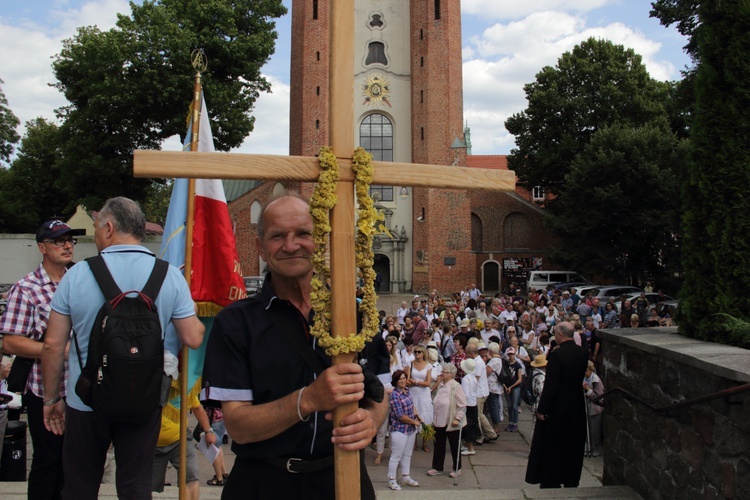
<point>540,279</point>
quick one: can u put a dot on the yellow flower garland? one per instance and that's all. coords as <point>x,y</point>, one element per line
<point>322,201</point>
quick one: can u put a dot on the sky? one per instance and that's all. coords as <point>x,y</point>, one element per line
<point>505,44</point>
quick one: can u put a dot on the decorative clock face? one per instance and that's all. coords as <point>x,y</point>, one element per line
<point>376,90</point>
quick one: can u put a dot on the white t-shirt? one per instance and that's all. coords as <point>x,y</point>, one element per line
<point>483,389</point>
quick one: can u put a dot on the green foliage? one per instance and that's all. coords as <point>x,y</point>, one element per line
<point>716,207</point>
<point>617,212</point>
<point>29,189</point>
<point>596,85</point>
<point>156,205</point>
<point>733,331</point>
<point>130,87</point>
<point>8,124</point>
<point>683,13</point>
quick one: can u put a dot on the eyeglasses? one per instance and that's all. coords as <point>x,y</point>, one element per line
<point>61,242</point>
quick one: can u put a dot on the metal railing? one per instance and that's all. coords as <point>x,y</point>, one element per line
<point>726,393</point>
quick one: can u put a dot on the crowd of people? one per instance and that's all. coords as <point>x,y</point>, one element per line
<point>462,364</point>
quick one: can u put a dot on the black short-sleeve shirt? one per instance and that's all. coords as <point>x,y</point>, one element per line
<point>249,359</point>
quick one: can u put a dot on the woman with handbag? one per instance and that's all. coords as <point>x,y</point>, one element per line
<point>419,380</point>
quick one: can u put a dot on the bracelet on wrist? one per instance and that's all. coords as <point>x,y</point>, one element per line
<point>210,430</point>
<point>53,401</point>
<point>299,400</point>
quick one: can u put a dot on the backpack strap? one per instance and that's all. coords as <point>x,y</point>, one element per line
<point>109,287</point>
<point>103,277</point>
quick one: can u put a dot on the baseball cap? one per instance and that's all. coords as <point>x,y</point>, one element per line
<point>54,229</point>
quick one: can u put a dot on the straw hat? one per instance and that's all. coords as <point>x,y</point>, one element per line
<point>539,361</point>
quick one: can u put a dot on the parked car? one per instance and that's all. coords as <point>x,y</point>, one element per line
<point>603,293</point>
<point>652,298</point>
<point>253,284</point>
<point>574,284</point>
<point>540,279</point>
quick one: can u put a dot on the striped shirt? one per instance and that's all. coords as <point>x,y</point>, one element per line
<point>402,405</point>
<point>27,314</point>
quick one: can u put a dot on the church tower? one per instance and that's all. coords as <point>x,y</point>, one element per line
<point>408,108</point>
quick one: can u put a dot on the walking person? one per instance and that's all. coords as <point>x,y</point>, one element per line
<point>404,425</point>
<point>512,389</point>
<point>450,418</point>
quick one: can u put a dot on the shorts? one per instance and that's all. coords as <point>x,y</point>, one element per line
<point>220,430</point>
<point>171,454</point>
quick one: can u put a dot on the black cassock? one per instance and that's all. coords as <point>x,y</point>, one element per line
<point>557,447</point>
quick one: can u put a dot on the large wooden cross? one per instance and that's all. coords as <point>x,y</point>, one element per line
<point>306,169</point>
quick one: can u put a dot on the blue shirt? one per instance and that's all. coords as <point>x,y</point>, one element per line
<point>79,297</point>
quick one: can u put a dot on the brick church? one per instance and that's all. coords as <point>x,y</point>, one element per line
<point>408,108</point>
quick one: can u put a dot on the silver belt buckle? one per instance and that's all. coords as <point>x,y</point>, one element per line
<point>289,465</point>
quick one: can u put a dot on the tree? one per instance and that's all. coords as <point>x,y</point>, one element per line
<point>8,124</point>
<point>29,189</point>
<point>618,210</point>
<point>130,87</point>
<point>596,85</point>
<point>715,297</point>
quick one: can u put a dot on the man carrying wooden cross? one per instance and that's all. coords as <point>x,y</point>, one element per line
<point>276,409</point>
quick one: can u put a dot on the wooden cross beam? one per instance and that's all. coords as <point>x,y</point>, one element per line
<point>305,169</point>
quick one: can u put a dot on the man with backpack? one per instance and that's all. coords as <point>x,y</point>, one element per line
<point>118,369</point>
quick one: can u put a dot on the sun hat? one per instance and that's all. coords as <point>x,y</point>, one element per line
<point>469,366</point>
<point>539,361</point>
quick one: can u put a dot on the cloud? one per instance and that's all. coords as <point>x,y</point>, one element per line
<point>32,43</point>
<point>271,133</point>
<point>513,9</point>
<point>505,57</point>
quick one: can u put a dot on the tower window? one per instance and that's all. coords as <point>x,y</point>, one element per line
<point>421,133</point>
<point>376,54</point>
<point>317,55</point>
<point>317,90</point>
<point>376,21</point>
<point>537,193</point>
<point>421,34</point>
<point>315,9</point>
<point>437,9</point>
<point>421,96</point>
<point>421,61</point>
<point>317,124</point>
<point>376,136</point>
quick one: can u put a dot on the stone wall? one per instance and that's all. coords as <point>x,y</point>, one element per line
<point>702,451</point>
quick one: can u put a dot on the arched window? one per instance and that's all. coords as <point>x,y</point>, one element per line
<point>376,54</point>
<point>376,136</point>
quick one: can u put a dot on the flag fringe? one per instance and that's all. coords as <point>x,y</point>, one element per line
<point>173,412</point>
<point>208,309</point>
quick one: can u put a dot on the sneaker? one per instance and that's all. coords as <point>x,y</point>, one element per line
<point>463,448</point>
<point>392,484</point>
<point>407,480</point>
<point>468,452</point>
<point>434,472</point>
<point>455,473</point>
<point>508,428</point>
<point>513,428</point>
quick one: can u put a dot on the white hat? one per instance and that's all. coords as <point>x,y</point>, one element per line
<point>469,366</point>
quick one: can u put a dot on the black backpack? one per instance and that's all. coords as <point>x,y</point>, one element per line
<point>123,376</point>
<point>527,389</point>
<point>505,377</point>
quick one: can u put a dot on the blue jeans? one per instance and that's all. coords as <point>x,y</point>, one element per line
<point>513,399</point>
<point>495,408</point>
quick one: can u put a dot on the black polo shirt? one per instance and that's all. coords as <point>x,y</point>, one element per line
<point>249,359</point>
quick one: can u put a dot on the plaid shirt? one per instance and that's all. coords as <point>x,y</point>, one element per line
<point>27,314</point>
<point>402,404</point>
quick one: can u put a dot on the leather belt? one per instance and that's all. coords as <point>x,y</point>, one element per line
<point>301,465</point>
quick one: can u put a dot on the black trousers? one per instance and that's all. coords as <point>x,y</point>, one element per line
<point>87,439</point>
<point>46,475</point>
<point>258,480</point>
<point>438,456</point>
